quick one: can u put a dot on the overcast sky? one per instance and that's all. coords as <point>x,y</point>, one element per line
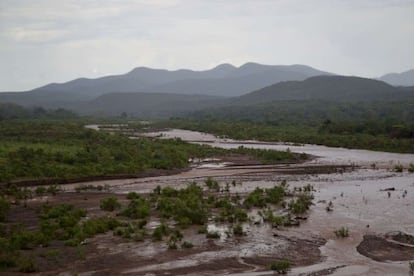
<point>46,41</point>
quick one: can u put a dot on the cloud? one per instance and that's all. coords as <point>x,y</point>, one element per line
<point>44,41</point>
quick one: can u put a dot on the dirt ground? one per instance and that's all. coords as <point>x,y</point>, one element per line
<point>380,249</point>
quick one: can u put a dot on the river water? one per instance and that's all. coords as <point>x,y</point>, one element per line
<point>358,202</point>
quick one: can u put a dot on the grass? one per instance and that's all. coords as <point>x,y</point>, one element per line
<point>110,204</point>
<point>280,266</point>
<point>342,232</point>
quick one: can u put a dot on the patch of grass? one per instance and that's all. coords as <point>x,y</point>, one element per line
<point>213,235</point>
<point>187,244</point>
<point>342,232</point>
<point>398,168</point>
<point>4,208</point>
<point>238,230</point>
<point>110,204</point>
<point>280,266</point>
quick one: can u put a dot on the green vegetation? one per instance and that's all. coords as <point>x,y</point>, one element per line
<point>383,135</point>
<point>213,235</point>
<point>301,203</point>
<point>342,232</point>
<point>398,168</point>
<point>4,208</point>
<point>52,150</point>
<point>187,244</point>
<point>260,197</point>
<point>411,266</point>
<point>69,226</point>
<point>186,206</point>
<point>110,204</point>
<point>238,230</point>
<point>281,266</point>
<point>411,168</point>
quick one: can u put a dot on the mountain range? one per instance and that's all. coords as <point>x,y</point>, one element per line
<point>150,92</point>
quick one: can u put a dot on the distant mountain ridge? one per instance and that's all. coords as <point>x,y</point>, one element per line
<point>327,88</point>
<point>400,79</point>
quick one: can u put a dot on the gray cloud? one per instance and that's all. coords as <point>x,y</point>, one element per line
<point>53,41</point>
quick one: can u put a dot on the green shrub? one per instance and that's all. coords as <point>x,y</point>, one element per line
<point>187,244</point>
<point>238,230</point>
<point>255,199</point>
<point>301,204</point>
<point>4,208</point>
<point>110,204</point>
<point>26,265</point>
<point>40,190</point>
<point>213,235</point>
<point>160,231</point>
<point>138,208</point>
<point>398,168</point>
<point>281,266</point>
<point>212,184</point>
<point>133,195</point>
<point>342,232</point>
<point>411,168</point>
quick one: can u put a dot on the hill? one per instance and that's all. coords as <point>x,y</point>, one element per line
<point>400,79</point>
<point>223,80</point>
<point>317,99</point>
<point>153,105</point>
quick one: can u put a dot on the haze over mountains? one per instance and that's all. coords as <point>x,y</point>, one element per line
<point>400,79</point>
<point>162,93</point>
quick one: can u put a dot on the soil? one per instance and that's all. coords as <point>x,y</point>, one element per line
<point>381,250</point>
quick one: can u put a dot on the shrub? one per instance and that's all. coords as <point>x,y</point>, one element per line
<point>160,231</point>
<point>138,208</point>
<point>26,265</point>
<point>187,244</point>
<point>133,195</point>
<point>213,235</point>
<point>342,232</point>
<point>301,204</point>
<point>110,204</point>
<point>411,265</point>
<point>4,209</point>
<point>40,190</point>
<point>398,168</point>
<point>212,184</point>
<point>255,199</point>
<point>281,266</point>
<point>238,230</point>
<point>411,168</point>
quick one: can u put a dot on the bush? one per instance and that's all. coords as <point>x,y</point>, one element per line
<point>398,168</point>
<point>160,231</point>
<point>26,265</point>
<point>4,209</point>
<point>212,184</point>
<point>40,190</point>
<point>411,265</point>
<point>281,267</point>
<point>138,208</point>
<point>238,230</point>
<point>342,232</point>
<point>411,168</point>
<point>301,204</point>
<point>213,235</point>
<point>187,244</point>
<point>110,204</point>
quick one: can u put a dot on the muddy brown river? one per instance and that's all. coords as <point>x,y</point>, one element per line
<point>359,203</point>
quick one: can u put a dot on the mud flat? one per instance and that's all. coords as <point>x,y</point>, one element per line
<point>369,202</point>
